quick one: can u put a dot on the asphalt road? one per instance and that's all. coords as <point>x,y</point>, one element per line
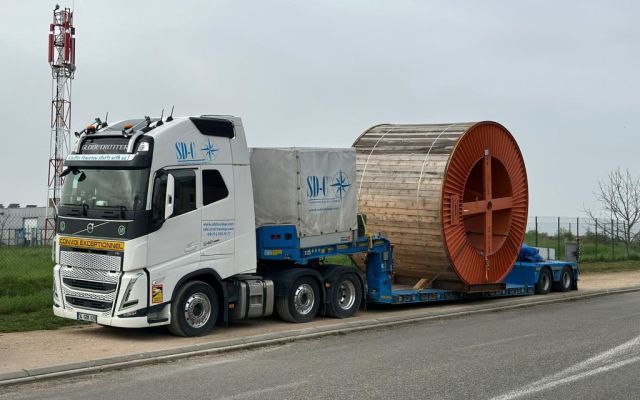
<point>588,349</point>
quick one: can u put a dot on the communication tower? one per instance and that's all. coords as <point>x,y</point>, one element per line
<point>62,58</point>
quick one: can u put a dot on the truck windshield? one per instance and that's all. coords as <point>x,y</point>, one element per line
<point>106,188</point>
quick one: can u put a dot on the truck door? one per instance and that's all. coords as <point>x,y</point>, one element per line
<point>175,242</point>
<point>218,214</point>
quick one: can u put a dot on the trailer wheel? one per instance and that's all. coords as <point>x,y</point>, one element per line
<point>544,282</point>
<point>301,303</point>
<point>566,281</point>
<point>195,310</point>
<point>346,296</point>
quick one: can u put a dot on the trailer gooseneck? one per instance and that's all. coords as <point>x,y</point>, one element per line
<point>178,223</point>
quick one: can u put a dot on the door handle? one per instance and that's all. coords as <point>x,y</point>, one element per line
<point>191,247</point>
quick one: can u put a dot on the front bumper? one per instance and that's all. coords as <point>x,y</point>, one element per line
<point>134,322</point>
<point>102,294</point>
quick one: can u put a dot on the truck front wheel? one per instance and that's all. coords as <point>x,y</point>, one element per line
<point>301,303</point>
<point>194,311</point>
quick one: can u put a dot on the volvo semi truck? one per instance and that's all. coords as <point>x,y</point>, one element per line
<point>177,222</point>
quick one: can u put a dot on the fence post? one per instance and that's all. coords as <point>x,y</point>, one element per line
<point>558,236</point>
<point>577,227</point>
<point>536,231</point>
<point>613,244</point>
<point>596,219</point>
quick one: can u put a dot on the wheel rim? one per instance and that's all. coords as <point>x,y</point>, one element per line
<point>197,310</point>
<point>545,282</point>
<point>346,295</point>
<point>304,299</point>
<point>566,279</point>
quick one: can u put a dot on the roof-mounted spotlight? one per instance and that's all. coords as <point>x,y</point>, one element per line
<point>127,130</point>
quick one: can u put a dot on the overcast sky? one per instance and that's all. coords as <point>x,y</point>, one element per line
<point>563,77</point>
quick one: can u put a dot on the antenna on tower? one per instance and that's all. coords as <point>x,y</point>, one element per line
<point>62,59</point>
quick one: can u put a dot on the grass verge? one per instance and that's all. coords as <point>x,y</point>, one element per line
<point>609,266</point>
<point>26,281</point>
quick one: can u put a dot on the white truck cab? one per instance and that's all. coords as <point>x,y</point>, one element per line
<point>144,205</point>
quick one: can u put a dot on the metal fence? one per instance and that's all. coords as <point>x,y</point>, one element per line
<point>26,269</point>
<point>23,237</point>
<point>23,227</point>
<point>600,239</point>
<point>24,248</point>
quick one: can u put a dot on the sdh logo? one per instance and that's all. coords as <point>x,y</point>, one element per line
<point>187,151</point>
<point>326,186</point>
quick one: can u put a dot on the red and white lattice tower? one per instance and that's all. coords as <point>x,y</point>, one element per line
<point>62,58</point>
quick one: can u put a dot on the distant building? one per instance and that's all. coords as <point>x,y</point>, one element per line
<point>22,226</point>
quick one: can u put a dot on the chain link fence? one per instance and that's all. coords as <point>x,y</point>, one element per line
<point>23,239</point>
<point>26,270</point>
<point>24,227</point>
<point>600,239</point>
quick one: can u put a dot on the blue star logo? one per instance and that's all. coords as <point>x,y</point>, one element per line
<point>209,149</point>
<point>340,184</point>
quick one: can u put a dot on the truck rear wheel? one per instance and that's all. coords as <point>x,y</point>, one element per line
<point>194,311</point>
<point>302,302</point>
<point>566,281</point>
<point>346,296</point>
<point>544,282</point>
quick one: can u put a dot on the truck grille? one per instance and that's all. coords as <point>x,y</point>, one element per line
<point>89,289</point>
<point>90,260</point>
<point>89,274</point>
<point>80,284</point>
<point>89,303</point>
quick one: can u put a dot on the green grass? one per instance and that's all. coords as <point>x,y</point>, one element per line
<point>42,319</point>
<point>26,280</point>
<point>338,260</point>
<point>610,266</point>
<point>604,250</point>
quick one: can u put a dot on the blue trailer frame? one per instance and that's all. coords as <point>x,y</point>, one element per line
<point>281,243</point>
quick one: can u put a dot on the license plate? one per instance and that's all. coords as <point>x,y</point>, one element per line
<point>87,317</point>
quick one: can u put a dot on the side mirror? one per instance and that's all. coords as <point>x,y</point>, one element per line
<point>168,200</point>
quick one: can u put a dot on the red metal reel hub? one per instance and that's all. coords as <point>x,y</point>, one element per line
<point>485,204</point>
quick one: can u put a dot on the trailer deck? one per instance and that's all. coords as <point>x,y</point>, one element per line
<point>280,243</point>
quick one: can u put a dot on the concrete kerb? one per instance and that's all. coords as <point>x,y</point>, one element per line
<point>276,338</point>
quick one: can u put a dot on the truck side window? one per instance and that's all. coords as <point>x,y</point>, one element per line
<point>213,187</point>
<point>185,191</point>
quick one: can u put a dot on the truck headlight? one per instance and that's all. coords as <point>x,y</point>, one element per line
<point>126,303</point>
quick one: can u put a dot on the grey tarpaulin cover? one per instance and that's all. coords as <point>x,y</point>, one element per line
<point>311,188</point>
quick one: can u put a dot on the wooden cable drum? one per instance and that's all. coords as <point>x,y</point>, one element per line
<point>452,198</point>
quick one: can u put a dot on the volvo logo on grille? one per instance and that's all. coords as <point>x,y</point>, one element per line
<point>90,227</point>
